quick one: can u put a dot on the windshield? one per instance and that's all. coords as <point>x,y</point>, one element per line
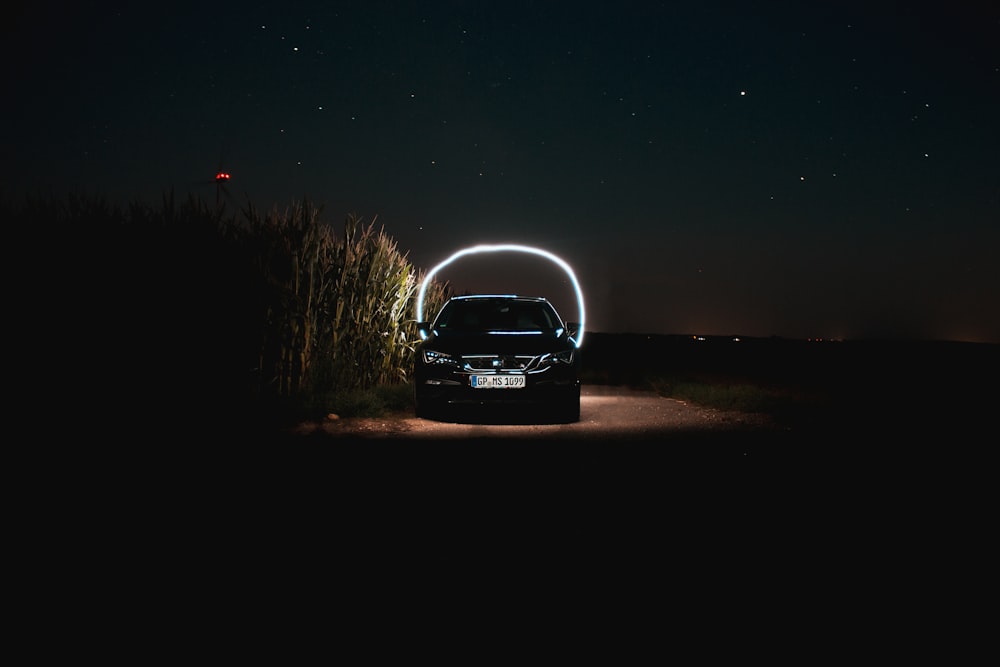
<point>497,315</point>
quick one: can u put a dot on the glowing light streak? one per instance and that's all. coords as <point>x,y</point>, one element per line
<point>507,247</point>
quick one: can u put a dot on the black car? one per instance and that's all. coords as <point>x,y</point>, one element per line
<point>498,349</point>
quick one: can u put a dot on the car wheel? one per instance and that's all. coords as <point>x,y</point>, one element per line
<point>573,411</point>
<point>424,408</point>
<point>571,407</point>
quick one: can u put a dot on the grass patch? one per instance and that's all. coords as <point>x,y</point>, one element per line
<point>787,405</point>
<point>723,393</point>
<point>379,401</point>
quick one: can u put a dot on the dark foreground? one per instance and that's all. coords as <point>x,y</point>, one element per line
<point>893,466</point>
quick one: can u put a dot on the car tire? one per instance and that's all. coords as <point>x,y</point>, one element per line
<point>424,409</point>
<point>571,407</point>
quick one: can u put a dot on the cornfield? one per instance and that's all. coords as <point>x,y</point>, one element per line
<point>339,316</point>
<point>269,304</point>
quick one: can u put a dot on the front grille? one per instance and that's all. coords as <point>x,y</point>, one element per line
<point>496,362</point>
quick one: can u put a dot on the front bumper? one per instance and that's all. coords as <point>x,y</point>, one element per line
<point>449,392</point>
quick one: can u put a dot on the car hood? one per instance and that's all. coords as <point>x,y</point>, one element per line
<point>497,343</point>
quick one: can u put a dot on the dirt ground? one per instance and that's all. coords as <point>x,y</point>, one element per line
<point>607,413</point>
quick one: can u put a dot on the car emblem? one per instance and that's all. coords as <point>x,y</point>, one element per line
<point>497,363</point>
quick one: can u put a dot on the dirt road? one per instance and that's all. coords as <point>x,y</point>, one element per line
<point>606,413</point>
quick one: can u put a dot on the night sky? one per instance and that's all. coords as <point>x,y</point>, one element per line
<point>803,170</point>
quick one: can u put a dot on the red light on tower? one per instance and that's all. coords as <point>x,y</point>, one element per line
<point>221,176</point>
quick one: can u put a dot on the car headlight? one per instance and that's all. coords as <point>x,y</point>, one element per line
<point>434,357</point>
<point>553,358</point>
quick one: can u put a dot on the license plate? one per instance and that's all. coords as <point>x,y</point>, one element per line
<point>497,381</point>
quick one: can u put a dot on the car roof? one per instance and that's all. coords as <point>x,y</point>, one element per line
<point>468,297</point>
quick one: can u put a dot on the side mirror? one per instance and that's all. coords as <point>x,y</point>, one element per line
<point>424,326</point>
<point>572,328</point>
